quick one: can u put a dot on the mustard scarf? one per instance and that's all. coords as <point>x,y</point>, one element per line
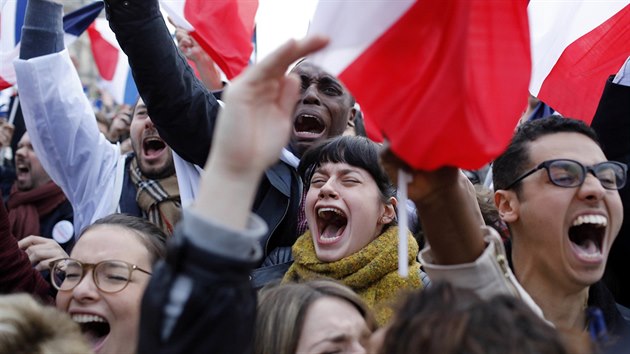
<point>372,272</point>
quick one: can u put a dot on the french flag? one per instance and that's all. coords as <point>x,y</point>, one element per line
<point>112,63</point>
<point>11,21</point>
<point>444,81</point>
<point>576,45</point>
<point>223,28</point>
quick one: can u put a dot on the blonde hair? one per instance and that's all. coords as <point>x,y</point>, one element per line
<point>27,326</point>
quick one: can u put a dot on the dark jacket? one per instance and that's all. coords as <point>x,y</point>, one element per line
<point>184,111</point>
<point>200,300</point>
<point>48,222</point>
<point>612,124</point>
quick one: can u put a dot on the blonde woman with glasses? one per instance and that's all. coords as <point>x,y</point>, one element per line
<point>101,285</point>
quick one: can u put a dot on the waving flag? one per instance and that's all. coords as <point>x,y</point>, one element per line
<point>223,28</point>
<point>445,81</point>
<point>11,21</point>
<point>112,63</point>
<point>576,45</point>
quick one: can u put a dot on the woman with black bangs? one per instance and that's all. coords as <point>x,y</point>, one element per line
<point>351,212</point>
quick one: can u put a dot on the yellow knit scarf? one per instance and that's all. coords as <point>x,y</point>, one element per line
<point>372,272</point>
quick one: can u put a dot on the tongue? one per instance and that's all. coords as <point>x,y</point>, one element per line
<point>152,151</point>
<point>332,231</point>
<point>588,247</point>
<point>92,337</point>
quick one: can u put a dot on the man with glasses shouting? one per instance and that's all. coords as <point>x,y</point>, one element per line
<point>558,194</point>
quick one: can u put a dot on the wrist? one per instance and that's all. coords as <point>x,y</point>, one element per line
<point>226,195</point>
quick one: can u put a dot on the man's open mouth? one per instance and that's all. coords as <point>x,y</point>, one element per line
<point>331,223</point>
<point>587,235</point>
<point>153,146</point>
<point>308,126</point>
<point>22,168</point>
<point>94,328</point>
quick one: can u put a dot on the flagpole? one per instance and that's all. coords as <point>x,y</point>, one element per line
<point>403,254</point>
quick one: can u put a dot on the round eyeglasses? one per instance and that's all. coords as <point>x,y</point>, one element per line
<point>109,276</point>
<point>570,173</point>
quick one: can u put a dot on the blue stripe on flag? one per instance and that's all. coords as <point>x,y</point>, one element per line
<point>131,92</point>
<point>20,11</point>
<point>78,21</point>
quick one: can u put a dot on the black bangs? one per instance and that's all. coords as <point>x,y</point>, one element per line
<point>355,151</point>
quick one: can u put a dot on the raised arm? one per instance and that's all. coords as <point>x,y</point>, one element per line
<point>448,211</point>
<point>180,106</point>
<point>60,119</point>
<point>216,244</point>
<point>462,250</point>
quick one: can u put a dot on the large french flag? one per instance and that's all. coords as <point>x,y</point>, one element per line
<point>445,81</point>
<point>223,28</point>
<point>576,45</point>
<point>11,21</point>
<point>112,63</point>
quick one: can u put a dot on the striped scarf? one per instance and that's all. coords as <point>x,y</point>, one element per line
<point>158,199</point>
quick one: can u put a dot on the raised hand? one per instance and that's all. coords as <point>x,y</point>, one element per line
<point>251,131</point>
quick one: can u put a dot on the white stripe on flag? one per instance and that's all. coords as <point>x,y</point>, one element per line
<point>345,47</point>
<point>554,25</point>
<point>175,10</point>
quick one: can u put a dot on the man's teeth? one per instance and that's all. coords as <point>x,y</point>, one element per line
<point>591,219</point>
<point>82,318</point>
<point>321,211</point>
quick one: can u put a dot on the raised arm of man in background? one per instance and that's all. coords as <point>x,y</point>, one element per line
<point>201,299</point>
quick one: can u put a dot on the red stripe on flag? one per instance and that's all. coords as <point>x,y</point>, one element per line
<point>4,84</point>
<point>224,30</point>
<point>449,81</point>
<point>576,82</point>
<point>105,54</point>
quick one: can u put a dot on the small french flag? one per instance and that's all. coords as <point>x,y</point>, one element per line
<point>11,21</point>
<point>112,63</point>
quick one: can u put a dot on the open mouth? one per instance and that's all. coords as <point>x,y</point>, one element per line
<point>94,328</point>
<point>153,146</point>
<point>331,223</point>
<point>587,235</point>
<point>307,125</point>
<point>22,169</point>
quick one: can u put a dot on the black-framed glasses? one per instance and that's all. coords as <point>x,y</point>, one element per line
<point>570,173</point>
<point>109,276</point>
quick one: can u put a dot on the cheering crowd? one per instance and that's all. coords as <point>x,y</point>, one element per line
<point>268,223</point>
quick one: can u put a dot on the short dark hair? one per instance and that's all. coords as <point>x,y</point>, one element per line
<point>355,151</point>
<point>151,236</point>
<point>514,160</point>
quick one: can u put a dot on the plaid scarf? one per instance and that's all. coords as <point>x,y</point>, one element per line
<point>158,199</point>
